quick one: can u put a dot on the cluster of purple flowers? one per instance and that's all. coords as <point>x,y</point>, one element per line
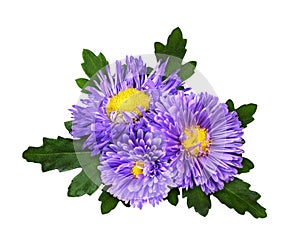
<point>153,136</point>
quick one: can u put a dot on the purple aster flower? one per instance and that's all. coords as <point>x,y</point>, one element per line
<point>203,139</point>
<point>117,99</point>
<point>135,168</point>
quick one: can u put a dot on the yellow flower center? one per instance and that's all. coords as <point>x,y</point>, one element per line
<point>137,169</point>
<point>196,141</point>
<point>128,100</point>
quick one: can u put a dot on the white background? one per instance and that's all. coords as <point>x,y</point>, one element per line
<point>248,50</point>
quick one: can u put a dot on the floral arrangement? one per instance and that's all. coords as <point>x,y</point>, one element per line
<point>141,136</point>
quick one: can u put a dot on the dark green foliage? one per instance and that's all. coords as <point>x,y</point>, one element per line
<point>92,63</point>
<point>81,185</point>
<point>198,199</point>
<point>247,166</point>
<point>54,154</point>
<point>245,113</point>
<point>175,48</point>
<point>81,82</point>
<point>173,196</point>
<point>236,195</point>
<point>230,105</point>
<point>108,202</point>
<point>68,125</point>
<point>64,154</point>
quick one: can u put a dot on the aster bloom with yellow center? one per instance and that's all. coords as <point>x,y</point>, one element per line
<point>135,168</point>
<point>203,139</point>
<point>117,99</point>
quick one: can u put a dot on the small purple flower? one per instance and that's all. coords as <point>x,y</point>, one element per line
<point>117,99</point>
<point>135,168</point>
<point>203,139</point>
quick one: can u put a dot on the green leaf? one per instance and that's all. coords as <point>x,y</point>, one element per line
<point>198,199</point>
<point>187,70</point>
<point>173,65</point>
<point>108,202</point>
<point>159,48</point>
<point>236,195</point>
<point>103,60</point>
<point>81,185</point>
<point>64,154</point>
<point>230,105</point>
<point>68,125</point>
<point>175,48</point>
<point>149,70</point>
<point>173,196</point>
<point>175,45</point>
<point>92,63</point>
<point>247,166</point>
<point>89,164</point>
<point>81,82</point>
<point>245,113</point>
<point>53,154</point>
